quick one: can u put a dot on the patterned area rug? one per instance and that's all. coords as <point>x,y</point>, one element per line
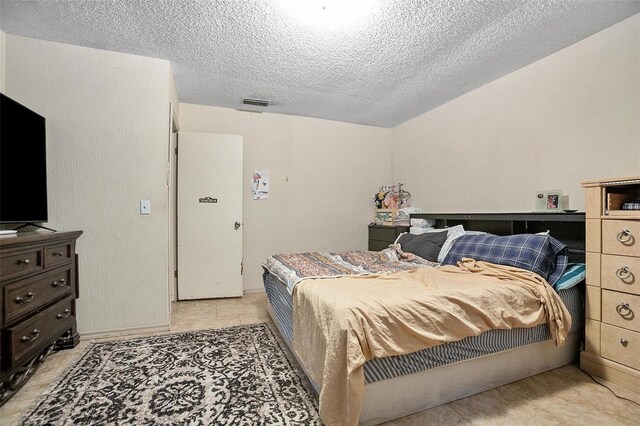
<point>233,376</point>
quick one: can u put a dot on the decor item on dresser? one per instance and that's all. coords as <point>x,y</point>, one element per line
<point>549,200</point>
<point>612,312</point>
<point>236,375</point>
<point>39,278</point>
<point>392,205</point>
<point>392,197</point>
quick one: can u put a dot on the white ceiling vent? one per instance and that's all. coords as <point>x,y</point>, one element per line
<point>255,102</point>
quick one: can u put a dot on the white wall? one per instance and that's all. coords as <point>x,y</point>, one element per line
<point>171,191</point>
<point>572,116</point>
<point>173,96</point>
<point>323,177</point>
<point>3,38</point>
<point>107,148</point>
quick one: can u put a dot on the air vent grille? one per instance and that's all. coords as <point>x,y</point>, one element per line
<point>255,102</point>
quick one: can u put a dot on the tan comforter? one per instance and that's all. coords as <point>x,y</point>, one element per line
<point>340,323</point>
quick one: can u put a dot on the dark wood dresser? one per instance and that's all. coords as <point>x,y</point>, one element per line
<point>39,278</point>
<point>380,236</point>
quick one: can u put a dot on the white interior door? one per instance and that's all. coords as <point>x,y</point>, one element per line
<point>209,215</point>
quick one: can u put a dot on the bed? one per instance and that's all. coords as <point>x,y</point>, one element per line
<point>400,385</point>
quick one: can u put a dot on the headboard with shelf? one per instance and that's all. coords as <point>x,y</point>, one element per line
<point>566,227</point>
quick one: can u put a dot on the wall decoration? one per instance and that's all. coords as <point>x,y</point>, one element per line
<point>260,184</point>
<point>549,200</point>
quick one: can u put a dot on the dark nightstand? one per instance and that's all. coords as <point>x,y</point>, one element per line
<point>380,236</point>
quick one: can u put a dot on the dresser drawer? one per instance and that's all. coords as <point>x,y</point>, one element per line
<point>383,234</point>
<point>620,273</point>
<point>14,264</point>
<point>621,309</point>
<point>25,296</point>
<point>620,345</point>
<point>55,255</point>
<point>621,237</point>
<point>32,335</point>
<point>375,245</point>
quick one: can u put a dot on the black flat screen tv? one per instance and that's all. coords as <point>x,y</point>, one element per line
<point>23,164</point>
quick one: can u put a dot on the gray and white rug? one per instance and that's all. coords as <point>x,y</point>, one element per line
<point>233,376</point>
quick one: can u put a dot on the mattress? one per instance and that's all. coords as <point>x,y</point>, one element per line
<point>487,343</point>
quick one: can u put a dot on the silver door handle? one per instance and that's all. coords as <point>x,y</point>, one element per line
<point>236,226</point>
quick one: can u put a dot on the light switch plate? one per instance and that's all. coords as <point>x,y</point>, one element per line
<point>145,207</point>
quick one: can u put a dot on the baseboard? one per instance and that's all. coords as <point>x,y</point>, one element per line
<point>611,371</point>
<point>123,332</point>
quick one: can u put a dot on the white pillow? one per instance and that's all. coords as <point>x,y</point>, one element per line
<point>453,233</point>
<point>423,223</point>
<point>475,232</point>
<point>416,230</point>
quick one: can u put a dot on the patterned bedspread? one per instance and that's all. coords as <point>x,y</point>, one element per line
<point>295,267</point>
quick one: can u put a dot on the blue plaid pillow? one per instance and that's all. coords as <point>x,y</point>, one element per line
<point>541,254</point>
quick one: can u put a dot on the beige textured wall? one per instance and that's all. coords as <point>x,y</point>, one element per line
<point>323,177</point>
<point>171,200</point>
<point>3,38</point>
<point>173,96</point>
<point>572,116</point>
<point>107,148</point>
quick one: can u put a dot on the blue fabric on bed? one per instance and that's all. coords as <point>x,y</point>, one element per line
<point>574,274</point>
<point>541,254</point>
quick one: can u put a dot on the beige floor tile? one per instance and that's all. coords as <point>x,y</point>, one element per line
<point>10,412</point>
<point>599,418</point>
<point>618,410</point>
<point>241,310</point>
<point>442,415</point>
<point>252,320</point>
<point>617,389</point>
<point>204,324</point>
<point>564,394</point>
<point>500,407</point>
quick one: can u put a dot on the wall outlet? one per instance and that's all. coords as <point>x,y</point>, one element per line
<point>145,207</point>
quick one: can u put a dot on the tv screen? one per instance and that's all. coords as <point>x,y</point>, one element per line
<point>23,167</point>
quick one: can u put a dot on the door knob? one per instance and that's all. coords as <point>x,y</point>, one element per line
<point>236,226</point>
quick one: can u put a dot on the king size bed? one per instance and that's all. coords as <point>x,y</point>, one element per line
<point>385,334</point>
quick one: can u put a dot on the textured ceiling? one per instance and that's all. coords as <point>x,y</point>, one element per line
<point>371,62</point>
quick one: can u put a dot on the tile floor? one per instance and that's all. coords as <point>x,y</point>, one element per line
<point>564,396</point>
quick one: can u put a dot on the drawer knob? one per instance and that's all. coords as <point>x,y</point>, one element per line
<point>26,299</point>
<point>61,283</point>
<point>57,253</point>
<point>624,273</point>
<point>24,262</point>
<point>35,334</point>
<point>64,314</point>
<point>624,342</point>
<point>625,311</point>
<point>624,236</point>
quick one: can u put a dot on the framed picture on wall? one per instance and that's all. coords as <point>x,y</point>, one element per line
<point>549,200</point>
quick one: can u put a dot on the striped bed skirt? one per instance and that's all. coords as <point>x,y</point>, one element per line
<point>487,343</point>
